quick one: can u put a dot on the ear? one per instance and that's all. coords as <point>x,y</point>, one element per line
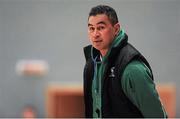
<point>117,28</point>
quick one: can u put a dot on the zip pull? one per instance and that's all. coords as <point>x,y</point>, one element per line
<point>98,112</point>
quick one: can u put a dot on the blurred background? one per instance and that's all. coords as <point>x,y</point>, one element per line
<point>55,32</point>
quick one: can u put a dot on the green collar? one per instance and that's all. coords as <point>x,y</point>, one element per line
<point>115,43</point>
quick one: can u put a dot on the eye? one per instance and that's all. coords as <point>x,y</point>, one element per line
<point>101,27</point>
<point>91,29</point>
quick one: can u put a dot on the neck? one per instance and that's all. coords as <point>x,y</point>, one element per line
<point>103,52</point>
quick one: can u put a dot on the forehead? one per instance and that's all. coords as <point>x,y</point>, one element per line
<point>95,20</point>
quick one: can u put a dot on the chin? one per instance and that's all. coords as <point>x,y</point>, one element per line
<point>97,48</point>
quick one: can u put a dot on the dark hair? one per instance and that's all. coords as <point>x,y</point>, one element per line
<point>107,10</point>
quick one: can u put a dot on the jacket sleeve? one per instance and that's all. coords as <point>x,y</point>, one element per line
<point>140,89</point>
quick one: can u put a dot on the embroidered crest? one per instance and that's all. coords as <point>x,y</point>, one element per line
<point>112,75</point>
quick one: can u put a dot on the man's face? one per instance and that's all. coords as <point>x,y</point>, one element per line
<point>101,32</point>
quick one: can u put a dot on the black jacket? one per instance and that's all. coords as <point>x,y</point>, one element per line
<point>114,102</point>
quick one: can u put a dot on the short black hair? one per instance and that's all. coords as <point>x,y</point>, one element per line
<point>107,10</point>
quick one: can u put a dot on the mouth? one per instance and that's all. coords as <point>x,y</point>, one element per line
<point>98,41</point>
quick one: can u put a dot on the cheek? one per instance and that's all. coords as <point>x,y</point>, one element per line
<point>108,35</point>
<point>90,38</point>
<point>89,34</point>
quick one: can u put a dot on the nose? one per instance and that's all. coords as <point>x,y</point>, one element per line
<point>96,33</point>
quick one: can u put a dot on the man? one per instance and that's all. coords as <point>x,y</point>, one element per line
<point>118,81</point>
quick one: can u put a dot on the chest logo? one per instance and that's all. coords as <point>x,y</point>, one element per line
<point>112,72</point>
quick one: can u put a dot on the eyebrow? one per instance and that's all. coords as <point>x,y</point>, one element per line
<point>101,22</point>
